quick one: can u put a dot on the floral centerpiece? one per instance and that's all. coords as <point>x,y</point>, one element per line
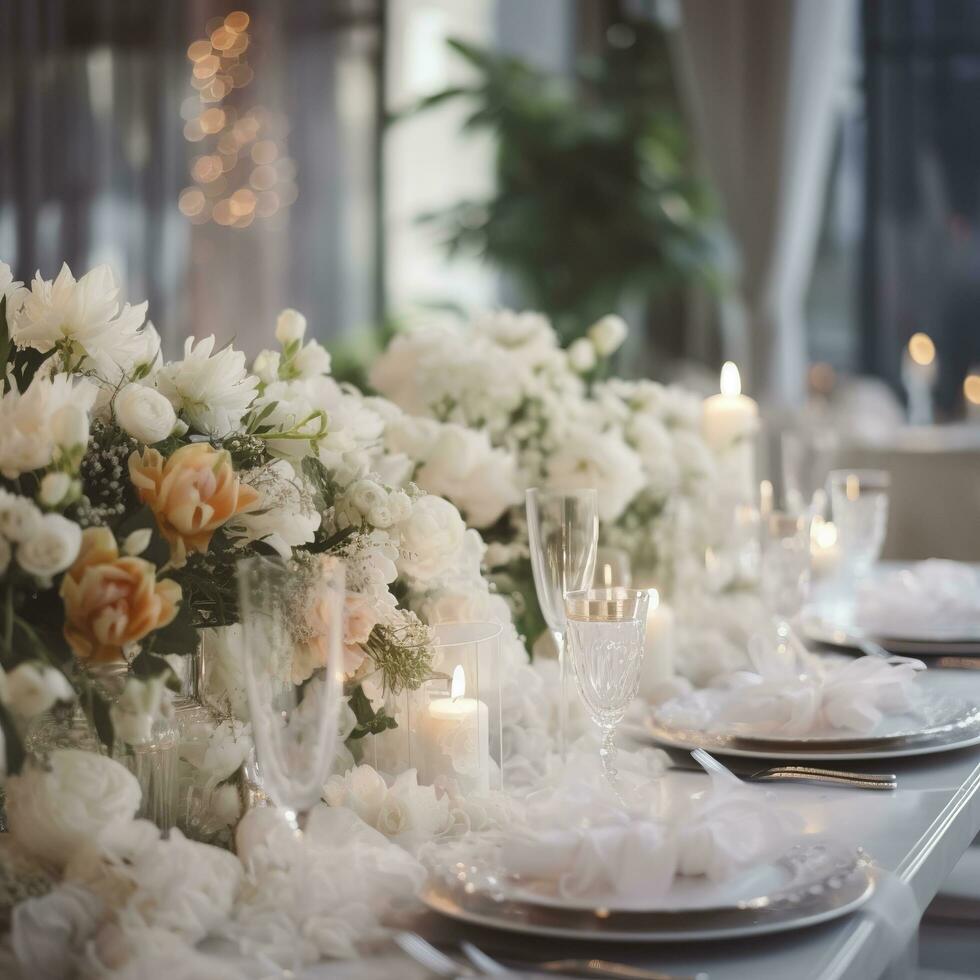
<point>130,486</point>
<point>498,405</point>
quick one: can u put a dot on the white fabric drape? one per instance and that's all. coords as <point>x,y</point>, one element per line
<point>762,76</point>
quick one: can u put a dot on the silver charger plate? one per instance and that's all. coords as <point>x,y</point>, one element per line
<point>824,630</point>
<point>816,880</point>
<point>947,723</point>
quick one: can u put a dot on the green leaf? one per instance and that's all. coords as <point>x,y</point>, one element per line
<point>4,333</point>
<point>148,665</point>
<point>101,718</point>
<point>369,721</point>
<point>180,635</point>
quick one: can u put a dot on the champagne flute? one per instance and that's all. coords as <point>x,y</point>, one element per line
<point>292,626</point>
<point>563,534</point>
<point>606,630</point>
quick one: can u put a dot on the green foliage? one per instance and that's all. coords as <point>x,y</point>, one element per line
<point>596,201</point>
<point>369,721</point>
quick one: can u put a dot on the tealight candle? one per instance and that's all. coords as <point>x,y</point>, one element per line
<point>824,550</point>
<point>454,735</point>
<point>728,423</point>
<point>658,659</point>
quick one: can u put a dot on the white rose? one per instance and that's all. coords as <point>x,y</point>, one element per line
<point>19,518</point>
<point>361,789</point>
<point>46,933</point>
<point>33,687</point>
<point>365,495</point>
<point>266,366</point>
<point>608,334</point>
<point>137,708</point>
<point>311,360</point>
<point>430,538</point>
<point>144,413</point>
<point>394,818</point>
<point>69,427</point>
<point>82,796</point>
<point>55,487</point>
<point>290,327</point>
<point>581,355</point>
<point>51,549</point>
<point>218,750</point>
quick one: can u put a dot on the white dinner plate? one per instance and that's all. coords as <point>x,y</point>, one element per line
<point>818,879</point>
<point>946,723</point>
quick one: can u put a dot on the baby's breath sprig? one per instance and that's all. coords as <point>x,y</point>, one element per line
<point>403,654</point>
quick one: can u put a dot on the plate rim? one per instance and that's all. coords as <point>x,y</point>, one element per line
<point>439,898</point>
<point>822,630</point>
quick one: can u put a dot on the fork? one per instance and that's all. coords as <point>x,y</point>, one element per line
<point>794,774</point>
<point>583,968</point>
<point>425,954</point>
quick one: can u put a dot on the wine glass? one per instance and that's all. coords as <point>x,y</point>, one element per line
<point>859,505</point>
<point>606,630</point>
<point>563,534</point>
<point>785,569</point>
<point>292,629</point>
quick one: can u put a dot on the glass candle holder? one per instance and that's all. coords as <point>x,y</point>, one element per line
<point>455,720</point>
<point>859,505</point>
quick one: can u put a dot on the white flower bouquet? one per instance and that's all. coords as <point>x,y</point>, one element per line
<point>131,486</point>
<point>497,405</point>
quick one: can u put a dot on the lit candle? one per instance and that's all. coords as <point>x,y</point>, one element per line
<point>455,739</point>
<point>971,392</point>
<point>824,550</point>
<point>919,372</point>
<point>658,657</point>
<point>729,422</point>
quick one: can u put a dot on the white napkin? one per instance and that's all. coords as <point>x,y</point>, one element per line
<point>798,695</point>
<point>590,849</point>
<point>932,597</point>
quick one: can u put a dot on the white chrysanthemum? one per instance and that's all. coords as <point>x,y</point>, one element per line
<point>27,432</point>
<point>210,390</point>
<point>11,290</point>
<point>81,317</point>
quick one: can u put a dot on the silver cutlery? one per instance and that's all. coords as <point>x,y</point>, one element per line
<point>950,661</point>
<point>425,954</point>
<point>802,774</point>
<point>580,968</point>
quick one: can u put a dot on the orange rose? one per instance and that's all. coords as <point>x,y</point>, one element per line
<point>112,602</point>
<point>191,494</point>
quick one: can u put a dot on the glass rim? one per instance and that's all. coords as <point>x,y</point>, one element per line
<point>489,631</point>
<point>558,492</point>
<point>612,605</point>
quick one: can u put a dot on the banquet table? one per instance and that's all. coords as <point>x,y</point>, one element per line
<point>915,834</point>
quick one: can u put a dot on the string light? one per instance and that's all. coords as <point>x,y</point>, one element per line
<point>243,172</point>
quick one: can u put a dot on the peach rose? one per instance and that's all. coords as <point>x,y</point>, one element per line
<point>191,493</point>
<point>112,602</point>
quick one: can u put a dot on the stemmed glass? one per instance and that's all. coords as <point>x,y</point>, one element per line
<point>293,625</point>
<point>859,504</point>
<point>785,570</point>
<point>563,533</point>
<point>606,631</point>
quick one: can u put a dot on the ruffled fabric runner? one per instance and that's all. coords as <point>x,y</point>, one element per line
<point>794,693</point>
<point>579,842</point>
<point>932,597</point>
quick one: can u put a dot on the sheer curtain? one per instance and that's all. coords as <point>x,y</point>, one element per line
<point>97,110</point>
<point>762,76</point>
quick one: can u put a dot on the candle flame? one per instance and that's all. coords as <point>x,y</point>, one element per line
<point>458,687</point>
<point>654,599</point>
<point>852,486</point>
<point>765,497</point>
<point>921,349</point>
<point>971,388</point>
<point>824,533</point>
<point>731,382</point>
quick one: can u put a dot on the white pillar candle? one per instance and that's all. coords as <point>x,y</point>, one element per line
<point>729,422</point>
<point>919,372</point>
<point>658,658</point>
<point>824,550</point>
<point>454,736</point>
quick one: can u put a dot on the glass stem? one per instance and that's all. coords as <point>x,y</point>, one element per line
<point>559,636</point>
<point>607,755</point>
